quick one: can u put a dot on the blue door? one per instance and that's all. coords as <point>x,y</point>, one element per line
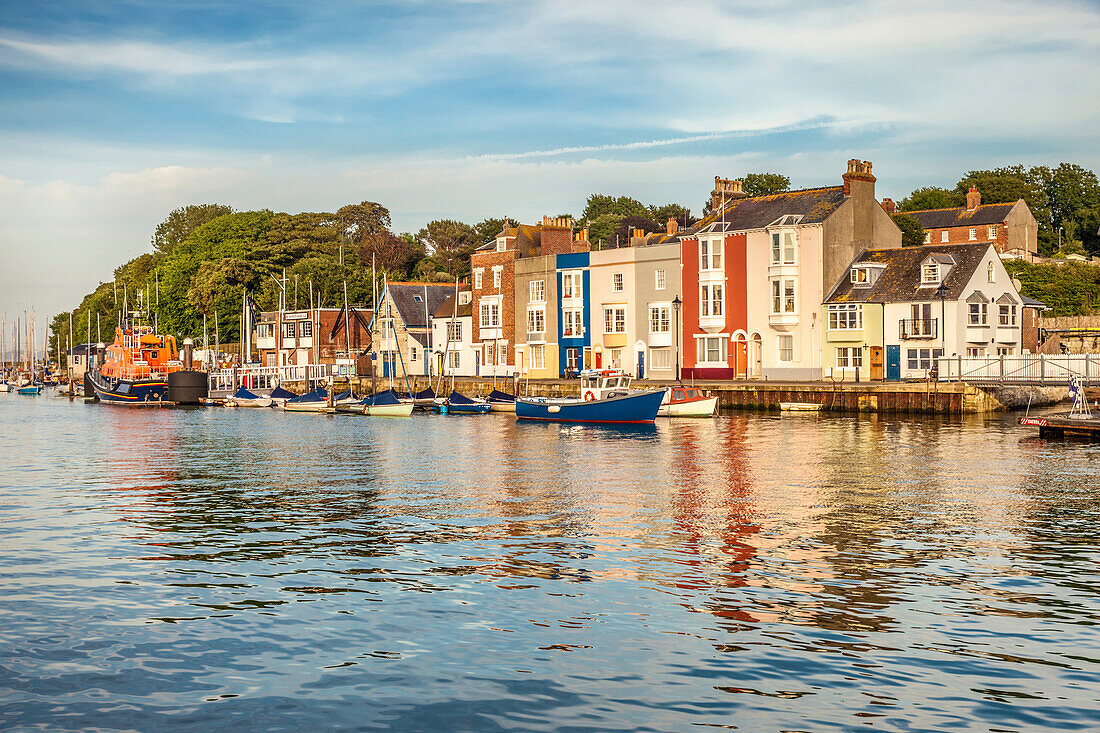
<point>388,364</point>
<point>893,363</point>
<point>641,365</point>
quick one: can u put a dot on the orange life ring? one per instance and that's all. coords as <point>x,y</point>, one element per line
<point>589,396</point>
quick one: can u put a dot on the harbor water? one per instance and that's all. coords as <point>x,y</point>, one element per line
<point>214,569</point>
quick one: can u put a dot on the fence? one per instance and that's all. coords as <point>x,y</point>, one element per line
<point>1040,369</point>
<point>268,377</point>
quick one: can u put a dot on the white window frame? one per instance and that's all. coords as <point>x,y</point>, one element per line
<point>990,273</point>
<point>572,323</point>
<point>572,285</point>
<point>454,360</point>
<point>489,314</point>
<point>536,320</point>
<point>454,331</point>
<point>616,282</point>
<point>784,303</point>
<point>789,348</point>
<point>306,330</point>
<point>478,278</point>
<point>845,317</point>
<point>614,319</point>
<point>659,321</point>
<point>538,356</point>
<point>849,358</point>
<point>708,345</point>
<point>977,314</point>
<point>659,280</point>
<point>660,359</point>
<point>923,359</point>
<point>497,277</point>
<point>712,300</point>
<point>991,232</point>
<point>930,273</point>
<point>536,290</point>
<point>1006,315</point>
<point>944,236</point>
<point>973,234</point>
<point>289,329</point>
<point>928,237</point>
<point>710,254</point>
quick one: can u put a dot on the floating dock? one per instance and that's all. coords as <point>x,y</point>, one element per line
<point>1064,426</point>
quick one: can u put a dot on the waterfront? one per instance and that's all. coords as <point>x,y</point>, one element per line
<point>206,569</point>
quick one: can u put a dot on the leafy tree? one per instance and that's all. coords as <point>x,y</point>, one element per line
<point>626,227</point>
<point>601,205</point>
<point>1070,289</point>
<point>931,197</point>
<point>451,243</point>
<point>661,214</point>
<point>181,222</point>
<point>602,228</point>
<point>765,184</point>
<point>1011,183</point>
<point>488,229</point>
<point>912,233</point>
<point>362,219</point>
<point>390,252</point>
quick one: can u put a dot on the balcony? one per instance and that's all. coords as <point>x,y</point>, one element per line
<point>919,328</point>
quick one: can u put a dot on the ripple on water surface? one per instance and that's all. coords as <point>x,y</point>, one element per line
<point>206,569</point>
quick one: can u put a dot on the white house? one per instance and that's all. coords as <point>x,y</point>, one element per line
<point>453,337</point>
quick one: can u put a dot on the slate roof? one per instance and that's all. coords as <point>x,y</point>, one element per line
<point>403,297</point>
<point>814,205</point>
<point>960,217</point>
<point>900,281</point>
<point>1032,303</point>
<point>528,237</point>
<point>447,308</point>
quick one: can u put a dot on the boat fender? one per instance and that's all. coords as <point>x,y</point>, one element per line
<point>553,408</point>
<point>589,396</point>
<point>146,396</point>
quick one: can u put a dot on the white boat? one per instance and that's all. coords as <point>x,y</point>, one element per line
<point>687,402</point>
<point>384,404</point>
<point>800,406</point>
<point>4,386</point>
<point>243,398</point>
<point>316,401</point>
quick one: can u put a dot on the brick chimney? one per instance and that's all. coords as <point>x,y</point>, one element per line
<point>725,189</point>
<point>973,199</point>
<point>556,235</point>
<point>889,206</point>
<point>672,226</point>
<point>858,170</point>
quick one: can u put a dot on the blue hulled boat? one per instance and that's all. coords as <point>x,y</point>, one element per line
<point>625,409</point>
<point>463,405</point>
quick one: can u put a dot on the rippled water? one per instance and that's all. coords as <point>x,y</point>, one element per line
<point>253,570</point>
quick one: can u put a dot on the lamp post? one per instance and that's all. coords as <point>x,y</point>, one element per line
<point>676,303</point>
<point>941,291</point>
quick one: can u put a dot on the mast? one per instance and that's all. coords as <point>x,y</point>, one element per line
<point>314,328</point>
<point>347,323</point>
<point>428,330</point>
<point>373,320</point>
<point>454,319</point>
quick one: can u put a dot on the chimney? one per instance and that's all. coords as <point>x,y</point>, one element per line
<point>858,170</point>
<point>973,199</point>
<point>672,226</point>
<point>889,206</point>
<point>725,189</point>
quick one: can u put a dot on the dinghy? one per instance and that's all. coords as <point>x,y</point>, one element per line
<point>243,398</point>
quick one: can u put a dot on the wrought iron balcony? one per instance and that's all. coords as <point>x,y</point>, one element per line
<point>919,328</point>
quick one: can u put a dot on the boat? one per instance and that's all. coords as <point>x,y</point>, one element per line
<point>425,399</point>
<point>30,389</point>
<point>143,369</point>
<point>1079,422</point>
<point>315,401</point>
<point>462,405</point>
<point>687,402</point>
<point>383,404</point>
<point>620,409</point>
<point>501,401</point>
<point>4,386</point>
<point>800,406</point>
<point>243,398</point>
<point>346,397</point>
<point>279,396</point>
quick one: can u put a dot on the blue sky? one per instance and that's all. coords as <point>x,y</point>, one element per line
<point>114,113</point>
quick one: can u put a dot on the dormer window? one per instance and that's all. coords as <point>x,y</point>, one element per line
<point>930,273</point>
<point>464,297</point>
<point>502,244</point>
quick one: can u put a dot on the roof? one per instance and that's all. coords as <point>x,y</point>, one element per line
<point>960,217</point>
<point>81,349</point>
<point>900,281</point>
<point>408,299</point>
<point>813,205</point>
<point>447,308</point>
<point>527,236</point>
<point>1032,303</point>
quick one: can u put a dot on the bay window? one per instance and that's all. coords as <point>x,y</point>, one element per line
<point>710,301</point>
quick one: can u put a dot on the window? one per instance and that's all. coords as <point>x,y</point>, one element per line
<point>710,301</point>
<point>488,354</point>
<point>786,347</point>
<point>412,353</point>
<point>502,244</point>
<point>978,314</point>
<point>571,285</point>
<point>614,319</point>
<point>454,360</point>
<point>477,278</point>
<point>777,250</point>
<point>928,237</point>
<point>537,291</point>
<point>788,247</point>
<point>418,299</point>
<point>536,320</point>
<point>710,255</point>
<point>496,278</point>
<point>571,323</point>
<point>930,273</point>
<point>659,280</point>
<point>538,357</point>
<point>849,357</point>
<point>712,349</point>
<point>617,282</point>
<point>288,330</point>
<point>783,295</point>
<point>922,358</point>
<point>943,236</point>
<point>991,232</point>
<point>973,234</point>
<point>658,319</point>
<point>265,330</point>
<point>386,324</point>
<point>615,358</point>
<point>975,352</point>
<point>1007,315</point>
<point>571,358</point>
<point>845,317</point>
<point>306,329</point>
<point>860,276</point>
<point>454,331</point>
<point>783,248</point>
<point>660,358</point>
<point>990,273</point>
<point>1005,351</point>
<point>490,315</point>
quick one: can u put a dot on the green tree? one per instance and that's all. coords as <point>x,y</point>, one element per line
<point>602,228</point>
<point>622,234</point>
<point>912,233</point>
<point>184,220</point>
<point>488,229</point>
<point>661,215</point>
<point>931,197</point>
<point>1070,289</point>
<point>394,254</point>
<point>1010,183</point>
<point>451,243</point>
<point>765,184</point>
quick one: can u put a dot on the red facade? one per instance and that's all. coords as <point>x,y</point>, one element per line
<point>735,310</point>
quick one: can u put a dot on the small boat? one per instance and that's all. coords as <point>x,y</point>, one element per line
<point>800,406</point>
<point>279,396</point>
<point>621,409</point>
<point>501,401</point>
<point>425,399</point>
<point>687,402</point>
<point>383,404</point>
<point>243,398</point>
<point>346,397</point>
<point>461,404</point>
<point>30,389</point>
<point>5,386</point>
<point>315,401</point>
<point>1079,422</point>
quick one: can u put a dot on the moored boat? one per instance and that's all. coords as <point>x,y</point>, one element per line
<point>315,401</point>
<point>628,408</point>
<point>501,401</point>
<point>383,404</point>
<point>279,396</point>
<point>800,406</point>
<point>138,368</point>
<point>462,405</point>
<point>687,402</point>
<point>244,398</point>
<point>30,389</point>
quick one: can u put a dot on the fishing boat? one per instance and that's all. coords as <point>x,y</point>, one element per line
<point>243,398</point>
<point>315,401</point>
<point>501,401</point>
<point>687,402</point>
<point>460,404</point>
<point>143,369</point>
<point>383,404</point>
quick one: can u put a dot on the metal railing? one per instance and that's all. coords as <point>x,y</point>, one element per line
<point>918,328</point>
<point>268,377</point>
<point>1039,369</point>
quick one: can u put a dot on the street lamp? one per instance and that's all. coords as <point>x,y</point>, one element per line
<point>676,303</point>
<point>941,291</point>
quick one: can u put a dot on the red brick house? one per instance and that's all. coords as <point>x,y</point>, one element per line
<point>312,336</point>
<point>1010,228</point>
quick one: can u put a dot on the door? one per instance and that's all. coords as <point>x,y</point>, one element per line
<point>599,360</point>
<point>876,363</point>
<point>641,365</point>
<point>893,363</point>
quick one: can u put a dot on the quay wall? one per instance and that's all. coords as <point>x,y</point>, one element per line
<point>942,398</point>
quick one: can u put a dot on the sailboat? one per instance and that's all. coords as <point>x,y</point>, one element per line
<point>244,398</point>
<point>383,404</point>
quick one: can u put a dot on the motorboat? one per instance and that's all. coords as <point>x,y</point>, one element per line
<point>605,398</point>
<point>460,404</point>
<point>684,401</point>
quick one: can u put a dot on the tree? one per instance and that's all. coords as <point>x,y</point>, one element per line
<point>390,252</point>
<point>451,243</point>
<point>912,233</point>
<point>1010,183</point>
<point>602,228</point>
<point>765,184</point>
<point>626,227</point>
<point>1070,289</point>
<point>601,205</point>
<point>931,197</point>
<point>661,214</point>
<point>362,219</point>
<point>184,220</point>
<point>488,229</point>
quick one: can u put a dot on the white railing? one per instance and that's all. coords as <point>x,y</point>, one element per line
<point>268,377</point>
<point>1020,369</point>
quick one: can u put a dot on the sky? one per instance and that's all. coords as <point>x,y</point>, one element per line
<point>114,113</point>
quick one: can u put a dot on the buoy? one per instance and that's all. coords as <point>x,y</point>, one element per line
<point>589,396</point>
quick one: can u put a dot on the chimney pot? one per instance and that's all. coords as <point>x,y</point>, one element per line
<point>889,206</point>
<point>973,199</point>
<point>672,226</point>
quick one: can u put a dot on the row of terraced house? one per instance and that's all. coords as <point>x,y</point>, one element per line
<point>801,285</point>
